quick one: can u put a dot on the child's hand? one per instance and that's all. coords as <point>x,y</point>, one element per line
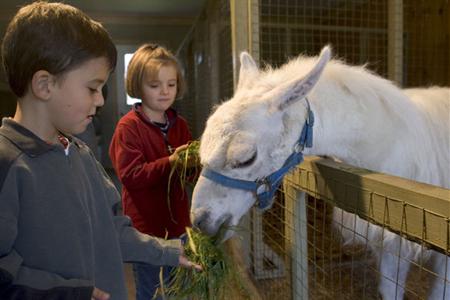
<point>98,294</point>
<point>186,263</point>
<point>179,158</point>
<point>174,157</point>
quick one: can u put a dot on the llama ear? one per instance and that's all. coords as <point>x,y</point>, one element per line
<point>248,71</point>
<point>297,89</point>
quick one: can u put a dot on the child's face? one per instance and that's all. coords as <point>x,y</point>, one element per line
<point>75,98</point>
<point>158,94</point>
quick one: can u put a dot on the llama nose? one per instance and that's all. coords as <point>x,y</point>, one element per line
<point>200,220</point>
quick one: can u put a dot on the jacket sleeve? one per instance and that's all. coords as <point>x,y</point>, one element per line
<point>136,246</point>
<point>127,156</point>
<point>18,281</point>
<point>140,247</point>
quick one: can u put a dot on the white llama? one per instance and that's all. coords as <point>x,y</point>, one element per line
<point>360,119</point>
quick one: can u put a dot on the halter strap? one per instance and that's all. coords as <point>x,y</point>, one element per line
<point>264,189</point>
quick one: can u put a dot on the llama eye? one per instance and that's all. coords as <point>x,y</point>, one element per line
<point>245,163</point>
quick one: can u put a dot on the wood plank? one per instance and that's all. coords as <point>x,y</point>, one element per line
<point>417,210</point>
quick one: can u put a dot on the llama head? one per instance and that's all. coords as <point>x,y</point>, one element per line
<point>249,137</point>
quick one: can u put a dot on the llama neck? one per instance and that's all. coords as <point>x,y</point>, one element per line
<point>365,121</point>
<point>337,132</point>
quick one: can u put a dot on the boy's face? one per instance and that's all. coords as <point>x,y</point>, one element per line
<point>75,98</point>
<point>158,94</point>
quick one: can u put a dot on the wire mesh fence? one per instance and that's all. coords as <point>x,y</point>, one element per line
<point>426,43</point>
<point>311,248</point>
<point>357,30</point>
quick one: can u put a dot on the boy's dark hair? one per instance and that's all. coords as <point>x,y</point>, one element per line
<point>54,37</point>
<point>148,60</point>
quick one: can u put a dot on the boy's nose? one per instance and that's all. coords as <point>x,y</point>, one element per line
<point>99,100</point>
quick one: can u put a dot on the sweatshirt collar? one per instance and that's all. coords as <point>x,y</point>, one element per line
<point>171,115</point>
<point>26,140</point>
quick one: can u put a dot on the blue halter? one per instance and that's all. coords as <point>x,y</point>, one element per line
<point>265,188</point>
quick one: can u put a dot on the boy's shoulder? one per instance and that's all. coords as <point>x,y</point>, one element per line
<point>9,152</point>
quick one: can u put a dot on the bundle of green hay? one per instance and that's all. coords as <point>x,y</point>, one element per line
<point>187,165</point>
<point>224,274</point>
<point>220,278</point>
<point>186,169</point>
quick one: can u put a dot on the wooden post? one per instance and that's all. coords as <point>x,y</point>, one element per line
<point>244,37</point>
<point>395,41</point>
<point>240,32</point>
<point>296,238</point>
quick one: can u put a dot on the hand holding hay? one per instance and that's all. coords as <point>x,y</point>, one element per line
<point>214,281</point>
<point>185,156</point>
<point>186,263</point>
<point>185,163</point>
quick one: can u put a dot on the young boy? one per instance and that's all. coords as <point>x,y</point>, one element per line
<point>58,236</point>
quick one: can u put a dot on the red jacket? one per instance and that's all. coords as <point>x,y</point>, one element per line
<point>140,158</point>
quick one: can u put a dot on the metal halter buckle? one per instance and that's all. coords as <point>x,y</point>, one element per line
<point>298,147</point>
<point>262,183</point>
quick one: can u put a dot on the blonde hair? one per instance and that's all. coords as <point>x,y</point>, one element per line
<point>149,59</point>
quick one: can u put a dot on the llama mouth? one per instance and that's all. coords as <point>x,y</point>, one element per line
<point>201,220</point>
<point>225,229</point>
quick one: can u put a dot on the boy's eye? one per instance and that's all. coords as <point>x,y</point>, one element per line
<point>93,90</point>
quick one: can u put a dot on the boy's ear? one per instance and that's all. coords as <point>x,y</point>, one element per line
<point>41,84</point>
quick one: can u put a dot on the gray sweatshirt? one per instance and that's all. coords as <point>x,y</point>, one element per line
<point>58,235</point>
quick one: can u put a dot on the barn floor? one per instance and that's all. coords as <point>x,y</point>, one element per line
<point>129,280</point>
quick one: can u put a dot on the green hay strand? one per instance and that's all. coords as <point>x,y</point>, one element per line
<point>180,168</point>
<point>218,279</point>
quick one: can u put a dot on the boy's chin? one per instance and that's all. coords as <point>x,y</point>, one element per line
<point>79,130</point>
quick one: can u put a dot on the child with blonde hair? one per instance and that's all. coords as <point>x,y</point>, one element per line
<point>144,149</point>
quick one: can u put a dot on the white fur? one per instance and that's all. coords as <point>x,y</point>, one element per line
<point>360,118</point>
